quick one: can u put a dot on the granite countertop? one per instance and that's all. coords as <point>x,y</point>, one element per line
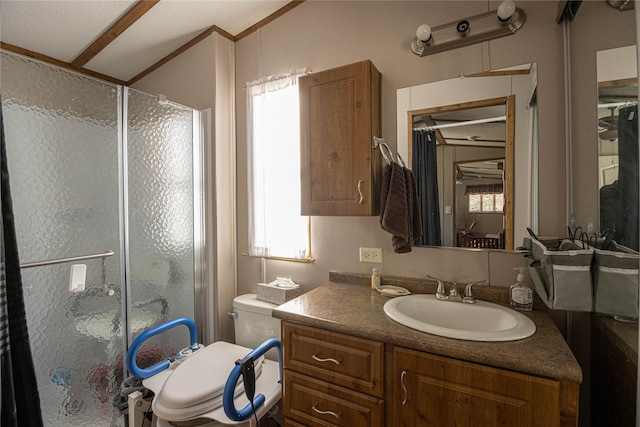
<point>347,305</point>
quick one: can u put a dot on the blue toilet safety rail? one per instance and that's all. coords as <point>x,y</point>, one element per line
<point>132,366</point>
<point>229,388</point>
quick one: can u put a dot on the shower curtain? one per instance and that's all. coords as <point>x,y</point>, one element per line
<point>425,168</point>
<point>20,400</point>
<point>627,213</point>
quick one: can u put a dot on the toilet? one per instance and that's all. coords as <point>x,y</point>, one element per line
<point>253,322</point>
<point>191,390</point>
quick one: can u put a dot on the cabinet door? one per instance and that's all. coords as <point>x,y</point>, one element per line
<point>433,391</point>
<point>339,115</point>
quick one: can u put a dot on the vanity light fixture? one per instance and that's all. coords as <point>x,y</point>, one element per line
<point>504,21</point>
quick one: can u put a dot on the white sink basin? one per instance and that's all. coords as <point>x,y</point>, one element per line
<point>482,321</point>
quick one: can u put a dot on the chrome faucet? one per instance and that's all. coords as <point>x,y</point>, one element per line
<point>454,293</point>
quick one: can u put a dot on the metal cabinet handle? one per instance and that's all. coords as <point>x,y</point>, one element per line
<point>326,412</point>
<point>404,388</point>
<point>318,359</point>
<point>361,201</point>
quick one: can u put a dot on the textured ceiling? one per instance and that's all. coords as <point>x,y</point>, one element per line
<point>63,29</point>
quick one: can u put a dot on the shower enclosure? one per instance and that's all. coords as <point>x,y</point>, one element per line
<point>97,168</point>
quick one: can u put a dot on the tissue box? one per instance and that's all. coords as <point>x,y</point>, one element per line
<point>274,294</point>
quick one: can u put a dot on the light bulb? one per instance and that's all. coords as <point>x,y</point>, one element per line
<point>506,9</point>
<point>423,33</point>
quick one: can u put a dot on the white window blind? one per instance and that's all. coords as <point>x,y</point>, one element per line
<point>276,228</point>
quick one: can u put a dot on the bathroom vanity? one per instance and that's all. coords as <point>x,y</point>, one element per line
<point>347,364</point>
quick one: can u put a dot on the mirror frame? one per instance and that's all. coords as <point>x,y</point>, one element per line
<point>509,103</point>
<point>519,80</point>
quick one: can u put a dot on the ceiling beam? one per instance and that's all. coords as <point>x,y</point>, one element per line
<point>215,29</point>
<point>203,35</point>
<point>135,13</point>
<point>278,13</point>
<point>132,15</point>
<point>57,62</point>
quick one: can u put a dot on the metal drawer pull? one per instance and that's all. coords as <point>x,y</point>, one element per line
<point>404,388</point>
<point>317,359</point>
<point>361,201</point>
<point>325,412</point>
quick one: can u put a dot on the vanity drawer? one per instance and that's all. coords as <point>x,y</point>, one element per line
<point>314,402</point>
<point>339,359</point>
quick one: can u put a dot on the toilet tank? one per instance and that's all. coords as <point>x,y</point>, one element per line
<point>253,322</point>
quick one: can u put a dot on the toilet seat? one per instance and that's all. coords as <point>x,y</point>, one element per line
<point>194,387</point>
<point>203,385</point>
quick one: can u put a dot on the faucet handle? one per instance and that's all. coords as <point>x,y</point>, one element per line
<point>468,292</point>
<point>441,292</point>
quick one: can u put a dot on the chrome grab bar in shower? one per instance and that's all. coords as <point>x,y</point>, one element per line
<point>104,256</point>
<point>64,260</point>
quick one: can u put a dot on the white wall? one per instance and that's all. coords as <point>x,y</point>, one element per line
<point>322,35</point>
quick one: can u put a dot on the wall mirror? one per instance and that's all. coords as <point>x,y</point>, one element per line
<point>607,349</point>
<point>470,142</point>
<point>474,180</point>
<point>618,144</point>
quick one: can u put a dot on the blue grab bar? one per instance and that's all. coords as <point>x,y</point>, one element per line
<point>229,389</point>
<point>230,386</point>
<point>132,366</point>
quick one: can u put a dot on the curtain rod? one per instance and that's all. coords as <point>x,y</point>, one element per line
<point>465,123</point>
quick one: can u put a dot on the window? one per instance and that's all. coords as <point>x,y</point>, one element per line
<point>276,228</point>
<point>485,198</point>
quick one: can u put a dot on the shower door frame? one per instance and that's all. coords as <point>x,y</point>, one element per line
<point>202,310</point>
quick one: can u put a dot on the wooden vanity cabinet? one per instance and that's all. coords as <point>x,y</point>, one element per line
<point>429,390</point>
<point>340,113</point>
<point>331,379</point>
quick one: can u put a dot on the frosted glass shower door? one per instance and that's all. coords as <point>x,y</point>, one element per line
<point>161,209</point>
<point>62,134</point>
<point>95,167</point>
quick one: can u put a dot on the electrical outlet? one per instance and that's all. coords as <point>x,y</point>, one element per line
<point>371,255</point>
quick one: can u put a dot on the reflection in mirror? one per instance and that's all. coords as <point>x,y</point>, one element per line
<point>471,142</point>
<point>618,144</point>
<point>606,349</point>
<point>471,184</point>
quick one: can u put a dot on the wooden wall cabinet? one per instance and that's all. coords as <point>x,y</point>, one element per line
<point>333,379</point>
<point>340,113</point>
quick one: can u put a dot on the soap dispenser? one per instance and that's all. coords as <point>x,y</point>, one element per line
<point>521,294</point>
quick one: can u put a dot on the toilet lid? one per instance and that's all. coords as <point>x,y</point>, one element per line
<point>195,386</point>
